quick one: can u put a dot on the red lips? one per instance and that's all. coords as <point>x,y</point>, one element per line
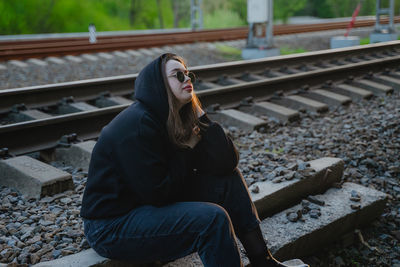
<point>188,88</point>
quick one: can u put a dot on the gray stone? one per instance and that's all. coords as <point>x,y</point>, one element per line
<point>305,238</point>
<point>274,197</point>
<point>32,177</point>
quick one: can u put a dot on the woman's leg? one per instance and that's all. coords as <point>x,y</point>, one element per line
<point>166,233</point>
<point>231,192</point>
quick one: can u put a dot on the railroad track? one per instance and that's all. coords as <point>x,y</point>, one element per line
<point>241,94</point>
<point>74,46</point>
<point>84,107</point>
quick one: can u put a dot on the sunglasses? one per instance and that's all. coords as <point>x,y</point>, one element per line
<point>180,76</point>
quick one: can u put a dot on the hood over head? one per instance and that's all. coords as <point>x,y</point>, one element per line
<point>151,91</point>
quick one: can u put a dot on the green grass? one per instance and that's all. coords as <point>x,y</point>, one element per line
<point>285,50</point>
<point>364,41</point>
<point>229,52</point>
<point>275,151</point>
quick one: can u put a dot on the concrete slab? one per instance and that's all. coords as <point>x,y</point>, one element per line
<point>27,115</point>
<point>56,60</point>
<point>33,178</point>
<point>146,52</point>
<point>18,63</point>
<point>112,101</point>
<point>133,53</point>
<point>105,55</point>
<point>300,102</point>
<point>75,107</point>
<point>157,50</point>
<point>329,98</point>
<point>37,62</point>
<point>375,88</point>
<point>387,80</point>
<point>344,41</point>
<point>282,113</point>
<point>90,57</point>
<point>121,54</point>
<point>78,155</point>
<point>239,119</point>
<point>275,197</point>
<point>354,92</point>
<point>298,239</point>
<point>74,59</point>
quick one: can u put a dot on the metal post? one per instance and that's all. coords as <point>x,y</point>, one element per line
<point>269,34</point>
<point>92,33</point>
<point>196,14</point>
<point>384,33</point>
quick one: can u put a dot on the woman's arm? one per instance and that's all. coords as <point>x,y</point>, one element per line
<point>215,153</point>
<point>149,172</point>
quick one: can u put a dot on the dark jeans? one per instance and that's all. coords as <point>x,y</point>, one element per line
<point>213,210</point>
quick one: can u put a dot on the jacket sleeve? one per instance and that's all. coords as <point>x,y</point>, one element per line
<point>143,163</point>
<point>216,153</point>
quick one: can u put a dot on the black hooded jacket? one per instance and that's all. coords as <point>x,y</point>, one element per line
<point>133,163</point>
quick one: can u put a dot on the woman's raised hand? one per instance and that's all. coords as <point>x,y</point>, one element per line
<point>195,137</point>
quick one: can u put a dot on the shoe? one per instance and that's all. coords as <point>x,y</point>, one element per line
<point>288,263</point>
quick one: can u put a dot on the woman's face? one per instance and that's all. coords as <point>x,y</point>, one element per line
<point>182,90</point>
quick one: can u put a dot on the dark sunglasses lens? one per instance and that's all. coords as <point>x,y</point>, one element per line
<point>192,77</point>
<point>180,76</point>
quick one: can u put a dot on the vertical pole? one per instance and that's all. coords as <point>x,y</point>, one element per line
<point>269,34</point>
<point>378,4</point>
<point>196,14</point>
<point>391,11</point>
<point>92,33</point>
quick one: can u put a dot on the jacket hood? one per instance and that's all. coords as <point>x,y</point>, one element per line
<point>151,91</point>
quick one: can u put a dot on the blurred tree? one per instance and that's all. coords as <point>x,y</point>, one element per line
<point>160,17</point>
<point>284,9</point>
<point>181,12</point>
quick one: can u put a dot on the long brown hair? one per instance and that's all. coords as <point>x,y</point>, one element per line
<point>180,122</point>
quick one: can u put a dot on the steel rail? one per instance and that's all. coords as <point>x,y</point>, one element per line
<point>47,95</point>
<point>74,46</point>
<point>25,137</point>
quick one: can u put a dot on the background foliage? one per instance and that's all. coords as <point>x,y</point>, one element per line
<point>56,16</point>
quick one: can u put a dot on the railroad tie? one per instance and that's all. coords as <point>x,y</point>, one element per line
<point>283,114</point>
<point>105,55</point>
<point>356,93</point>
<point>56,60</point>
<point>27,115</point>
<point>157,50</point>
<point>18,63</point>
<point>133,53</point>
<point>103,102</point>
<point>387,80</point>
<point>332,221</point>
<point>328,97</point>
<point>89,57</point>
<point>146,52</point>
<point>121,54</point>
<point>73,59</point>
<point>37,62</point>
<point>299,102</point>
<point>75,107</point>
<point>33,178</point>
<point>77,155</point>
<point>375,88</point>
<point>238,119</point>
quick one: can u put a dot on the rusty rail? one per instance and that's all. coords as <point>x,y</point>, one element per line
<point>79,45</point>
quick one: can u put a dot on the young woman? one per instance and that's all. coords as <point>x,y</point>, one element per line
<point>163,180</point>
